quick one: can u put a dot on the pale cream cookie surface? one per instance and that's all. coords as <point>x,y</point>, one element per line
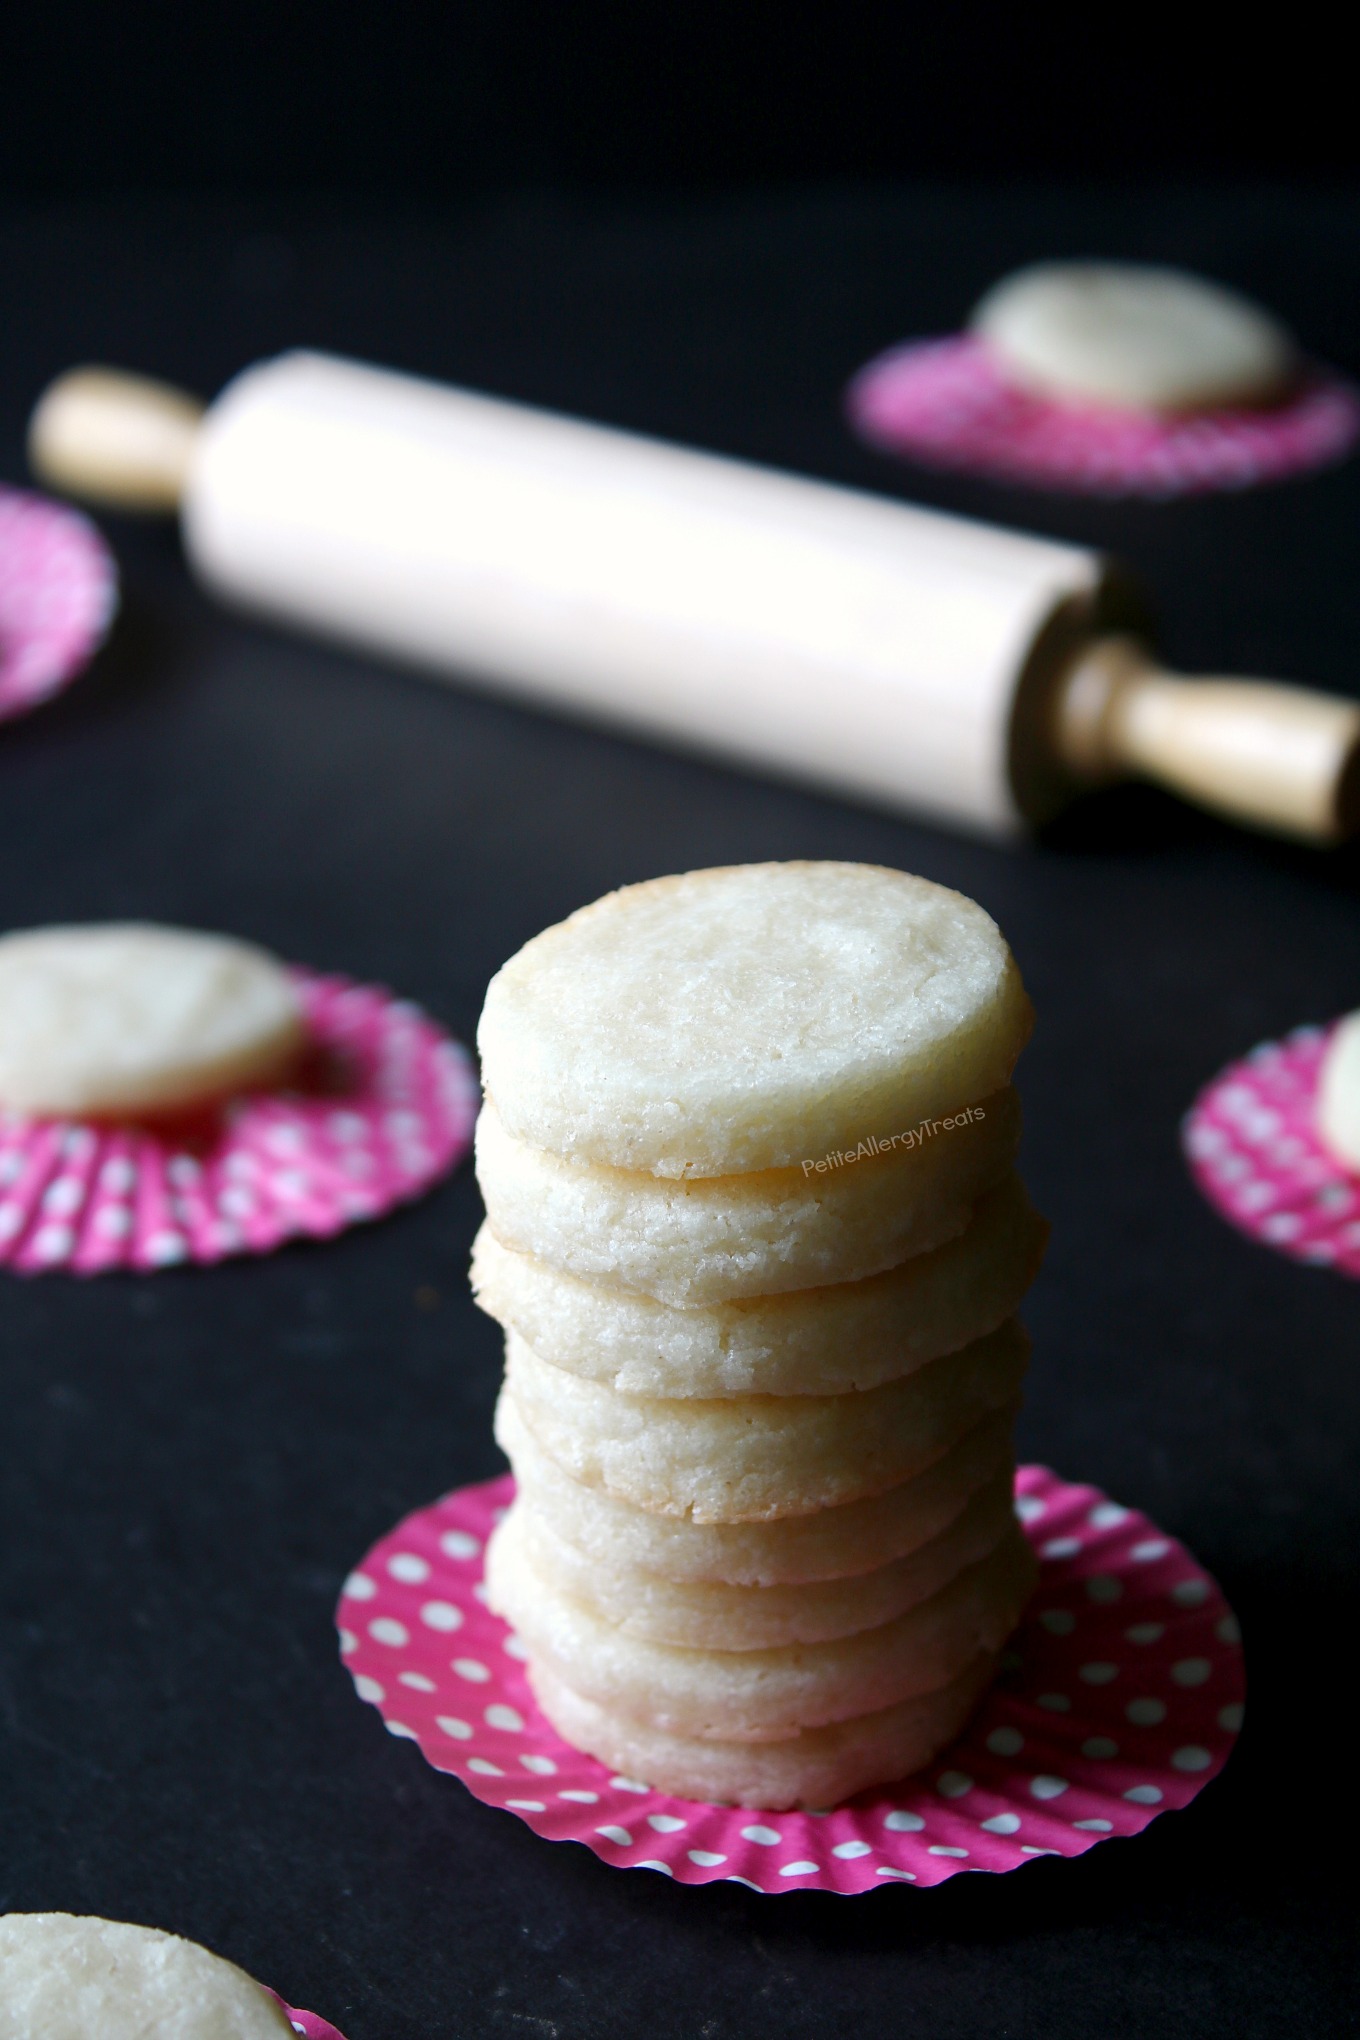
<point>1134,336</point>
<point>121,1018</point>
<point>827,1341</point>
<point>758,1458</point>
<point>65,1976</point>
<point>760,1695</point>
<point>753,1017</point>
<point>704,1240</point>
<point>713,1617</point>
<point>818,1767</point>
<point>829,1544</point>
<point>1338,1102</point>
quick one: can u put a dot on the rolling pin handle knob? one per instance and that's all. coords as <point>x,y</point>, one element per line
<point>119,440</point>
<point>1280,758</point>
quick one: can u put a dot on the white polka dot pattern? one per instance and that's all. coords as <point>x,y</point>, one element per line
<point>384,1108</point>
<point>58,593</point>
<point>1117,1706</point>
<point>1250,1141</point>
<point>945,403</point>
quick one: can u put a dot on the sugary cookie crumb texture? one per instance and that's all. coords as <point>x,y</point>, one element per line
<point>761,1695</point>
<point>819,1767</point>
<point>1338,1106</point>
<point>827,1341</point>
<point>703,1240</point>
<point>713,1617</point>
<point>830,1544</point>
<point>64,1977</point>
<point>751,1017</point>
<point>126,1017</point>
<point>756,1458</point>
<point>1133,336</point>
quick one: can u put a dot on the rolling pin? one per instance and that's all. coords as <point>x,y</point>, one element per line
<point>976,676</point>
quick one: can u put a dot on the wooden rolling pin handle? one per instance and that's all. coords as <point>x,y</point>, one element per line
<point>119,440</point>
<point>1280,758</point>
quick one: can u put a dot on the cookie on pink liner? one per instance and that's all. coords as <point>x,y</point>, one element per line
<point>65,1976</point>
<point>380,1107</point>
<point>1266,1143</point>
<point>1134,337</point>
<point>1119,1699</point>
<point>58,595</point>
<point>127,1019</point>
<point>1110,379</point>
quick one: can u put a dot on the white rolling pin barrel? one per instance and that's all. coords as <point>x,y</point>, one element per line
<point>944,667</point>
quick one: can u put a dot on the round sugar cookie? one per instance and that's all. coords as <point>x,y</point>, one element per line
<point>121,1018</point>
<point>1134,336</point>
<point>818,1768</point>
<point>759,1695</point>
<point>829,1544</point>
<point>757,1458</point>
<point>753,1017</point>
<point>1338,1098</point>
<point>848,1335</point>
<point>68,1977</point>
<point>706,1240</point>
<point>712,1617</point>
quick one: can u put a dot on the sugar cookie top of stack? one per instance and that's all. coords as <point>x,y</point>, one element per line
<point>64,1977</point>
<point>751,1017</point>
<point>127,1017</point>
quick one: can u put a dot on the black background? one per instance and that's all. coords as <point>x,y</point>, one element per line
<point>452,96</point>
<point>586,211</point>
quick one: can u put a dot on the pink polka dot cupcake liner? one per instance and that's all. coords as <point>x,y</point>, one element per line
<point>1120,1699</point>
<point>58,594</point>
<point>947,404</point>
<point>1253,1149</point>
<point>382,1110</point>
<point>309,2024</point>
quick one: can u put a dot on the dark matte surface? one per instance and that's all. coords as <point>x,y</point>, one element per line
<point>458,96</point>
<point>191,1462</point>
<point>480,94</point>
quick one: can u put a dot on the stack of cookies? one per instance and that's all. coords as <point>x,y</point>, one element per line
<point>755,1237</point>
